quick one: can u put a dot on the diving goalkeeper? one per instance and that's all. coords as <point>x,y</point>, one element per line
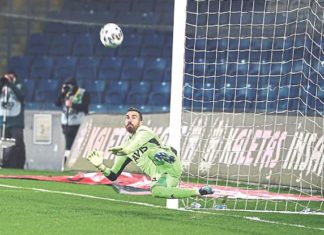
<point>161,163</point>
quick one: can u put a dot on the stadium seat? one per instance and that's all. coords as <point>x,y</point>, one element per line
<point>48,84</point>
<point>267,98</point>
<point>73,5</point>
<point>161,87</point>
<point>258,6</point>
<point>42,67</point>
<point>196,44</point>
<point>247,95</point>
<point>143,5</point>
<point>142,86</point>
<point>167,71</point>
<point>30,86</point>
<point>275,68</point>
<point>85,6</point>
<point>221,69</point>
<point>149,18</point>
<point>86,68</point>
<point>164,6</point>
<point>246,17</point>
<point>222,44</point>
<point>236,18</point>
<point>101,50</point>
<point>118,86</point>
<point>136,98</point>
<point>242,68</point>
<point>166,18</point>
<point>45,96</point>
<point>20,65</point>
<point>187,95</point>
<point>297,66</point>
<point>228,94</point>
<point>78,29</point>
<point>320,100</point>
<point>47,91</point>
<point>55,28</point>
<point>132,68</point>
<point>159,99</point>
<point>204,98</point>
<point>232,56</point>
<point>132,40</point>
<point>37,44</point>
<point>64,67</point>
<point>151,51</point>
<point>265,68</point>
<point>131,45</point>
<point>96,97</point>
<point>92,85</point>
<point>233,6</point>
<point>279,43</point>
<point>192,17</point>
<point>167,49</point>
<point>234,69</point>
<point>120,6</point>
<point>61,45</point>
<point>127,17</point>
<point>269,18</point>
<point>288,98</point>
<point>114,98</point>
<point>83,45</point>
<point>154,69</point>
<point>110,68</point>
<point>244,43</point>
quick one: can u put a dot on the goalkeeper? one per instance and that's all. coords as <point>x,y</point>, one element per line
<point>161,163</point>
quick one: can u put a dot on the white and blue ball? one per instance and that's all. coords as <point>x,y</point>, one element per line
<point>111,35</point>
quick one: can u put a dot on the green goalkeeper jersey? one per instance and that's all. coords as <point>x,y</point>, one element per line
<point>145,149</point>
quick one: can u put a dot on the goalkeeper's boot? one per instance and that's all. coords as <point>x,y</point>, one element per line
<point>205,190</point>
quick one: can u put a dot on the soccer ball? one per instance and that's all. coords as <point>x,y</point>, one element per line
<point>111,35</point>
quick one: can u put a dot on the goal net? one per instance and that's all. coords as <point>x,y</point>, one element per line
<point>253,104</point>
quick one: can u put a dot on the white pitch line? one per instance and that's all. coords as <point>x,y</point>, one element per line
<point>80,195</point>
<point>250,218</point>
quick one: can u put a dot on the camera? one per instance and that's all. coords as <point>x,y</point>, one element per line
<point>67,88</point>
<point>3,80</point>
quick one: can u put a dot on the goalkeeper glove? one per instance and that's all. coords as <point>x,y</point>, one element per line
<point>97,160</point>
<point>115,149</point>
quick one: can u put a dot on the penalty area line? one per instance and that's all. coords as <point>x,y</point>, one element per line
<point>250,218</point>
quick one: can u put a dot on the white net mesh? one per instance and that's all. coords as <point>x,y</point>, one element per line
<point>253,103</point>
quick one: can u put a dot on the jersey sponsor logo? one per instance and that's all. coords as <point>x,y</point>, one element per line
<point>137,154</point>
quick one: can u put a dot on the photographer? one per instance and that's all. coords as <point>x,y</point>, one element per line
<point>12,120</point>
<point>74,102</point>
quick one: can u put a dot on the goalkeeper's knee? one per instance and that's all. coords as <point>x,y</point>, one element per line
<point>160,191</point>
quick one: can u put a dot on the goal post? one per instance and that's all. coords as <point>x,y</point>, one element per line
<point>252,103</point>
<point>177,80</point>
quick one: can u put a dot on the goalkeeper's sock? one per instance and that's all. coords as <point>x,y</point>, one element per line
<point>172,192</point>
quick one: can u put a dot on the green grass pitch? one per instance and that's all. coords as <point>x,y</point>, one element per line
<point>39,207</point>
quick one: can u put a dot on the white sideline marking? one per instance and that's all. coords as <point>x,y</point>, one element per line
<point>251,218</point>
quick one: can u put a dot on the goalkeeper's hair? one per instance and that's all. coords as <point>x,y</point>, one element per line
<point>136,110</point>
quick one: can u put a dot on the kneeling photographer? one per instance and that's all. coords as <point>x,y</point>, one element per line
<point>74,102</point>
<point>12,121</point>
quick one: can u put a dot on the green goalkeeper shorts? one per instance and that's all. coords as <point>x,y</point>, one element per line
<point>165,180</point>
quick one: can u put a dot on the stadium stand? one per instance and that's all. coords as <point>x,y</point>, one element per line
<point>146,55</point>
<point>63,50</point>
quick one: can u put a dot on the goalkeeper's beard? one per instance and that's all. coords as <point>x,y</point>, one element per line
<point>130,128</point>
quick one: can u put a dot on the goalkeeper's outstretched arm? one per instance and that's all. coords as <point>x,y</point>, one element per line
<point>112,174</point>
